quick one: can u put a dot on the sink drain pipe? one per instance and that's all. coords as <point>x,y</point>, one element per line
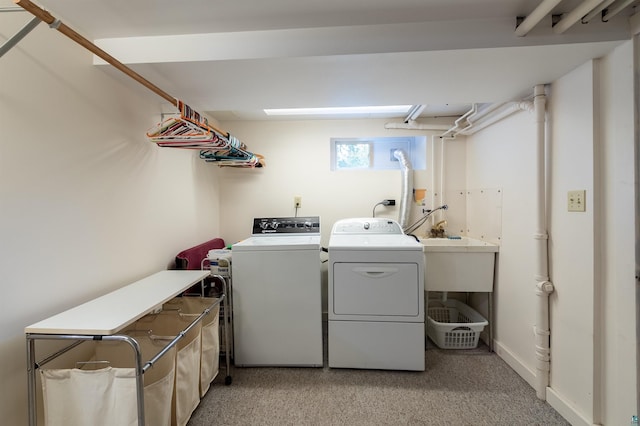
<point>544,287</point>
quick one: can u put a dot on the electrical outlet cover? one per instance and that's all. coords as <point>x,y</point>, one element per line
<point>576,200</point>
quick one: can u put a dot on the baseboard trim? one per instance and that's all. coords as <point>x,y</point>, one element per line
<point>565,409</point>
<point>515,363</point>
<point>555,400</point>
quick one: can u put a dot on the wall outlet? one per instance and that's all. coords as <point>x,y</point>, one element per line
<point>297,201</point>
<point>576,201</point>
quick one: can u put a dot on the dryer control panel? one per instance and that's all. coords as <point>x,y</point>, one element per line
<point>367,225</point>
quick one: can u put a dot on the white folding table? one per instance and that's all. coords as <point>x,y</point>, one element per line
<point>102,318</point>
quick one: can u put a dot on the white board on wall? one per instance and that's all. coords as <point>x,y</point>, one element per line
<point>484,214</point>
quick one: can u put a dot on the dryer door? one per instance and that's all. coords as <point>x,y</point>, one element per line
<point>387,290</point>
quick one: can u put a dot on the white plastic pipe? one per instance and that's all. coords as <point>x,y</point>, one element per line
<point>536,16</point>
<point>441,214</point>
<point>595,12</point>
<point>433,173</point>
<point>413,125</point>
<point>544,287</point>
<point>617,9</point>
<point>457,126</point>
<point>575,15</point>
<point>495,115</point>
<point>414,113</point>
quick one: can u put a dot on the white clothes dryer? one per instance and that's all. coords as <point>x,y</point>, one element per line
<point>376,296</point>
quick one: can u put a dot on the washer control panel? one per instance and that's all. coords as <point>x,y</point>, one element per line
<point>367,225</point>
<point>286,225</point>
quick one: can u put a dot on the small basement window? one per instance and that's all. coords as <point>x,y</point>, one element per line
<point>377,153</point>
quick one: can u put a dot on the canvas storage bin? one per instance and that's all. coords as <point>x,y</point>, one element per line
<point>166,325</point>
<point>210,338</point>
<point>103,391</point>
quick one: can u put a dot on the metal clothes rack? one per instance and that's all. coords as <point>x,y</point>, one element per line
<point>242,158</point>
<point>98,320</point>
<point>22,33</point>
<point>227,315</point>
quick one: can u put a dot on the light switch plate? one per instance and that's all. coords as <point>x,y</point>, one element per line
<point>576,200</point>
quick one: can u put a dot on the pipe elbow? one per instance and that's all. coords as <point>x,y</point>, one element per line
<point>546,287</point>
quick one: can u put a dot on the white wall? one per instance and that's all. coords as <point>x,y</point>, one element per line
<point>87,204</point>
<point>572,238</point>
<point>591,255</point>
<point>617,237</point>
<point>503,156</point>
<point>298,163</point>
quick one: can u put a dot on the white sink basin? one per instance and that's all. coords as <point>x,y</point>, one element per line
<point>464,264</point>
<point>463,244</point>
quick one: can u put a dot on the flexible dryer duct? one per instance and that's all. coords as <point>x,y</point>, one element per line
<point>407,187</point>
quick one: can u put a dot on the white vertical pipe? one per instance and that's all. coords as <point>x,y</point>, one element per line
<point>442,159</point>
<point>543,286</point>
<point>636,116</point>
<point>433,172</point>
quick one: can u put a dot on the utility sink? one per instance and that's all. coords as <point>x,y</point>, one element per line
<point>463,265</point>
<point>463,244</point>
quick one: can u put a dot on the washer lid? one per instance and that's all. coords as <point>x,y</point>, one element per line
<point>374,242</point>
<point>278,242</point>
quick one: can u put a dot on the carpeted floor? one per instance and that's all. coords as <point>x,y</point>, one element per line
<point>459,387</point>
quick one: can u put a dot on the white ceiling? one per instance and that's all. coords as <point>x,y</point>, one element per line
<point>233,58</point>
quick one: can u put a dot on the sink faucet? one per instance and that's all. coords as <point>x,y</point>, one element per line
<point>437,231</point>
<point>409,229</point>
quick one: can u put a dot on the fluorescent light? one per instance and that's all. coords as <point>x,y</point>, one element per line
<point>389,109</point>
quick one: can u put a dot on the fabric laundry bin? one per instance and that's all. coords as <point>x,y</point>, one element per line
<point>165,326</point>
<point>192,307</point>
<point>102,391</point>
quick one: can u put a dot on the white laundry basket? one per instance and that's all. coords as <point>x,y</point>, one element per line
<point>102,392</point>
<point>453,324</point>
<point>192,307</point>
<point>166,325</point>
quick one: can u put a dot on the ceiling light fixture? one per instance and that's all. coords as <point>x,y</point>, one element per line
<point>389,109</point>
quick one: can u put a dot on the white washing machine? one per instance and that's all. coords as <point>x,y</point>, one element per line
<point>277,313</point>
<point>376,296</point>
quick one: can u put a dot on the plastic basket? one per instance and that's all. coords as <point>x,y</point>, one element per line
<point>454,325</point>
